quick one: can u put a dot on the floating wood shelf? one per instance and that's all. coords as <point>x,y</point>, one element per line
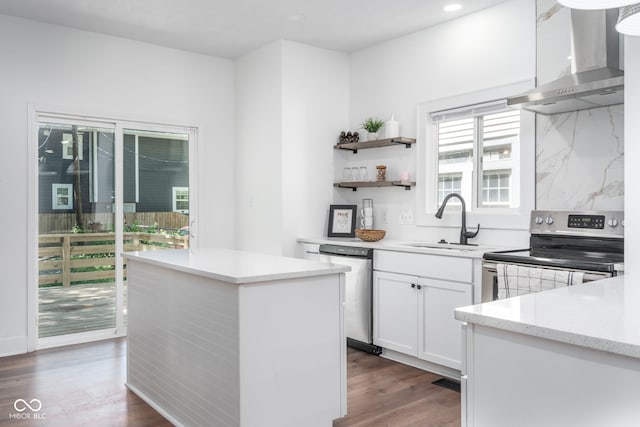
<point>354,185</point>
<point>355,146</point>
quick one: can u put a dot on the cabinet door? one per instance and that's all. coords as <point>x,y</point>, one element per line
<point>395,312</point>
<point>439,334</point>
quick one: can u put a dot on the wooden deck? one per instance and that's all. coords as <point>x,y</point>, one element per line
<point>77,308</point>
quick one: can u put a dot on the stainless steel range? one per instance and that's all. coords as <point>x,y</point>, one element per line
<point>565,246</point>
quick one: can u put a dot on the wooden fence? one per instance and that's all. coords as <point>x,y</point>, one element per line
<point>103,221</point>
<point>85,257</point>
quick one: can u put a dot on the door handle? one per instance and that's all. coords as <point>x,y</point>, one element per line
<point>193,221</point>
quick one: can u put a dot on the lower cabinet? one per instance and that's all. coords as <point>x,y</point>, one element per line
<point>395,312</point>
<point>414,315</point>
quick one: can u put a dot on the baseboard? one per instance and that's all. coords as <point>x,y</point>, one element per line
<point>79,338</point>
<point>159,409</point>
<point>13,345</point>
<point>421,364</point>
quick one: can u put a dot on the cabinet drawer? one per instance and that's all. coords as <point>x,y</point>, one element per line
<point>434,266</point>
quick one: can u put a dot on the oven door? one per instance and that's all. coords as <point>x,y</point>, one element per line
<point>490,277</point>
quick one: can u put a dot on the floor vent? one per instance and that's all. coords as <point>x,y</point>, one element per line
<point>448,383</point>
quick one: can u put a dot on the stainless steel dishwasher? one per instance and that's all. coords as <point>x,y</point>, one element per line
<point>359,290</point>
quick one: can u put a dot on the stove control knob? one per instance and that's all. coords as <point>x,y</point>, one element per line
<point>549,220</point>
<point>613,222</point>
<point>539,220</point>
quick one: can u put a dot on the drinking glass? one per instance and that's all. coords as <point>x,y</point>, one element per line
<point>363,173</point>
<point>346,174</point>
<point>354,173</point>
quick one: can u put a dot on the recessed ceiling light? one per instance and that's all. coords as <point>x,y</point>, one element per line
<point>295,17</point>
<point>452,7</point>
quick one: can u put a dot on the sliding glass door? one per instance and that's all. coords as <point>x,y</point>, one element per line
<point>102,188</point>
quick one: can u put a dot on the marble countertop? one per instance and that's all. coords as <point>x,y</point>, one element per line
<point>406,246</point>
<point>602,315</point>
<point>235,266</point>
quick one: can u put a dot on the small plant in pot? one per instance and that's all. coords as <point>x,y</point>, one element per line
<point>372,126</point>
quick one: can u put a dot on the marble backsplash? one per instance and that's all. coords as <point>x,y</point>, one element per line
<point>580,160</point>
<point>579,155</point>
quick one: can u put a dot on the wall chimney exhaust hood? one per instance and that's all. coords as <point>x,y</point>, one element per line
<point>596,79</point>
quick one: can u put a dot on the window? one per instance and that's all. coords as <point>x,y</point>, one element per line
<point>67,146</point>
<point>62,196</point>
<point>477,150</point>
<point>181,199</point>
<point>449,183</point>
<point>495,188</point>
<point>473,144</point>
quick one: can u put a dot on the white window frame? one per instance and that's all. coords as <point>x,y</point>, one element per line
<point>175,200</point>
<point>69,116</point>
<point>67,146</point>
<point>427,176</point>
<point>54,196</point>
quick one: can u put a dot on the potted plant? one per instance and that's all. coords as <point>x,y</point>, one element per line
<point>372,126</point>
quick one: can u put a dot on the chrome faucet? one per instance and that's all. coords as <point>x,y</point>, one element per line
<point>464,234</point>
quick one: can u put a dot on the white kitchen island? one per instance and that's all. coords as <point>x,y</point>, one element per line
<point>227,338</point>
<point>564,357</point>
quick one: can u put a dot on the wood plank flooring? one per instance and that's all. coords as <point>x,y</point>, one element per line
<point>83,385</point>
<point>381,392</point>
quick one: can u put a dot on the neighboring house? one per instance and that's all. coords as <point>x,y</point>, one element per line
<point>156,171</point>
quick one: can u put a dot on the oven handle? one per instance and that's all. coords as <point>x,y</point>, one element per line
<point>589,276</point>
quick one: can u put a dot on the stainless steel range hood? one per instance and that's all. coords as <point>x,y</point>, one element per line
<point>595,80</point>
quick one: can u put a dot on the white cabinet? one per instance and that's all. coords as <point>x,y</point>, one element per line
<point>414,315</point>
<point>395,312</point>
<point>439,336</point>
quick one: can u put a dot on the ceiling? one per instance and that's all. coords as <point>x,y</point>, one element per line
<point>231,28</point>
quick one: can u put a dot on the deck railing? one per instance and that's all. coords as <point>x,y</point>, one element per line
<point>90,257</point>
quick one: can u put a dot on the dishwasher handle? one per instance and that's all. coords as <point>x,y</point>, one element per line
<point>346,251</point>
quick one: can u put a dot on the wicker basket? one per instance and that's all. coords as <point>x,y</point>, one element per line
<point>370,235</point>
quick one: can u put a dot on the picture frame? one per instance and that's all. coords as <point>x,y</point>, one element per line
<point>342,221</point>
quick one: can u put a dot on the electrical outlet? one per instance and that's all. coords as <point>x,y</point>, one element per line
<point>383,216</point>
<point>406,217</point>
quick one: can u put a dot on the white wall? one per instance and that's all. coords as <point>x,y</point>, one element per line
<point>315,96</point>
<point>632,155</point>
<point>55,66</point>
<point>486,49</point>
<point>258,122</point>
<point>290,99</point>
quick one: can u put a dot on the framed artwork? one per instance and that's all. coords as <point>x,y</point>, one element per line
<point>342,221</point>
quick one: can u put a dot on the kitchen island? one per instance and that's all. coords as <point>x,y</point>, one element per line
<point>563,357</point>
<point>230,338</point>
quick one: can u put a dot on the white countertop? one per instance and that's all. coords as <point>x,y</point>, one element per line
<point>602,315</point>
<point>235,266</point>
<point>403,246</point>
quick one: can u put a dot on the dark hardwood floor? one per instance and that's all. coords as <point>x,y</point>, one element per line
<point>83,385</point>
<point>381,392</point>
